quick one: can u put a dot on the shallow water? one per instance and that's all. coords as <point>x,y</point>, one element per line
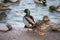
<point>15,15</point>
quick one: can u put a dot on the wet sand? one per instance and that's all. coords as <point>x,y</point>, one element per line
<point>20,34</point>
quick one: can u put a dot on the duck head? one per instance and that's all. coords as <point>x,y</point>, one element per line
<point>45,19</point>
<point>27,11</point>
<point>52,8</point>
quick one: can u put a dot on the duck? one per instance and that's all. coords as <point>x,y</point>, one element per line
<point>50,25</point>
<point>40,26</point>
<point>5,1</point>
<point>9,28</point>
<point>2,15</point>
<point>28,19</point>
<point>45,24</point>
<point>43,2</point>
<point>4,6</point>
<point>58,8</point>
<point>52,8</point>
<point>14,1</point>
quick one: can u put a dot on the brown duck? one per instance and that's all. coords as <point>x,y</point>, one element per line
<point>44,24</point>
<point>2,15</point>
<point>4,7</point>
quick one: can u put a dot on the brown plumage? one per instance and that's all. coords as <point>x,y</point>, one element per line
<point>44,24</point>
<point>4,7</point>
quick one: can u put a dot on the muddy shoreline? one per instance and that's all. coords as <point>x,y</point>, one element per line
<point>21,34</point>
